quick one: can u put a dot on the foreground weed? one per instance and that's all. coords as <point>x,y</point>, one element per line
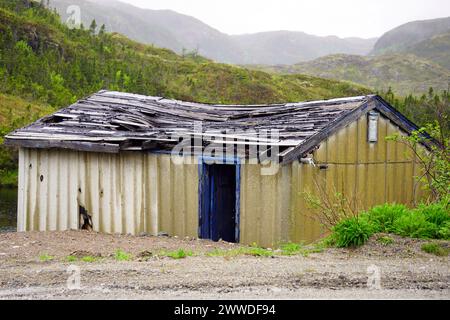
<point>385,240</point>
<point>177,254</point>
<point>45,257</point>
<point>121,255</point>
<point>89,259</point>
<point>435,248</point>
<point>290,249</point>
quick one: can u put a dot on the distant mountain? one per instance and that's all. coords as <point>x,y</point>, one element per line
<point>178,32</point>
<point>404,73</point>
<point>410,58</point>
<point>436,49</point>
<point>287,47</point>
<point>405,37</point>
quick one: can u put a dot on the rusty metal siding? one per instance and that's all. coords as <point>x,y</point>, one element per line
<point>372,173</point>
<point>265,203</point>
<point>124,193</point>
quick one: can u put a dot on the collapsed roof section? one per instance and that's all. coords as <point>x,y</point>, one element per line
<point>111,121</point>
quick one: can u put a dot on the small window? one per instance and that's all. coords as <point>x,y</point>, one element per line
<point>372,135</point>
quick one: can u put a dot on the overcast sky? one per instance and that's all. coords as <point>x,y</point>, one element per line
<point>344,18</point>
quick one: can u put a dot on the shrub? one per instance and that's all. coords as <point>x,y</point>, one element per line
<point>430,221</point>
<point>352,232</point>
<point>444,231</point>
<point>382,217</point>
<point>415,225</point>
<point>436,213</point>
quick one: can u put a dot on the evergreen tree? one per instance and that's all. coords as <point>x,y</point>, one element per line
<point>93,27</point>
<point>102,30</point>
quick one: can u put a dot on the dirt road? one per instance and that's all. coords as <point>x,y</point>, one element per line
<point>35,266</point>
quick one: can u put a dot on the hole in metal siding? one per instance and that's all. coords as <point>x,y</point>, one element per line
<point>85,219</point>
<point>41,178</point>
<point>30,166</point>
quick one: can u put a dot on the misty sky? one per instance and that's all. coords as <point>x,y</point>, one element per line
<point>344,18</point>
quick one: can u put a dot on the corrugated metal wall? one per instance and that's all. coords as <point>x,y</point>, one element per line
<point>265,203</point>
<point>124,193</point>
<point>137,192</point>
<point>372,173</point>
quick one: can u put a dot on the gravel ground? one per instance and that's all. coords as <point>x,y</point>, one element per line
<point>405,271</point>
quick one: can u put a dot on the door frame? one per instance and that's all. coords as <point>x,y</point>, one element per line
<point>204,195</point>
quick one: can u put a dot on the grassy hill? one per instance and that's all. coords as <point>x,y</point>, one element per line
<point>15,112</point>
<point>45,65</point>
<point>404,73</point>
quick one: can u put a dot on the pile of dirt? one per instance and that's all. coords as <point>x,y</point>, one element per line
<point>394,246</point>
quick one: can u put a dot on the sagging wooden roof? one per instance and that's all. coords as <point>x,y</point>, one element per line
<point>110,121</point>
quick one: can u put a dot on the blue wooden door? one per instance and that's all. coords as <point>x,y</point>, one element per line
<point>219,202</point>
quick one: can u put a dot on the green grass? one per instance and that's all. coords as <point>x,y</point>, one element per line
<point>241,251</point>
<point>290,248</point>
<point>435,248</point>
<point>177,254</point>
<point>45,257</point>
<point>15,112</point>
<point>285,249</point>
<point>385,240</point>
<point>255,251</point>
<point>90,259</point>
<point>71,259</point>
<point>121,255</point>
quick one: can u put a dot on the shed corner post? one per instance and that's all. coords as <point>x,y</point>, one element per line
<point>21,211</point>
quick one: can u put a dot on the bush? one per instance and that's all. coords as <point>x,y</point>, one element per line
<point>426,221</point>
<point>382,217</point>
<point>352,232</point>
<point>415,225</point>
<point>444,231</point>
<point>436,213</point>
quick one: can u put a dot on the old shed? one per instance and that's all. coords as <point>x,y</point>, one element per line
<point>126,163</point>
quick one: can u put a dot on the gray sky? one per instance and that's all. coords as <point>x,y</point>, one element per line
<point>344,18</point>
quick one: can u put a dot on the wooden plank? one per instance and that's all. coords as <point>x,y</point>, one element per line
<point>75,145</point>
